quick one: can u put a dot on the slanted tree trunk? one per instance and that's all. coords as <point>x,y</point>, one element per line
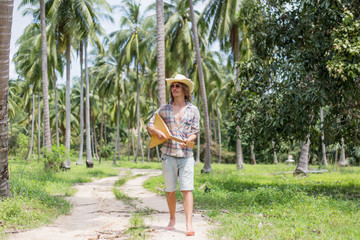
<point>39,126</point>
<point>324,161</point>
<point>302,166</point>
<point>343,161</point>
<point>6,9</point>
<point>67,104</point>
<point>45,83</point>
<point>117,131</point>
<point>207,160</point>
<point>32,128</point>
<point>275,156</point>
<point>219,133</point>
<point>160,51</point>
<point>89,161</point>
<point>80,159</point>
<point>253,159</point>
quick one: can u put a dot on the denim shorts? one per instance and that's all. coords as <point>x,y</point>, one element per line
<point>174,167</point>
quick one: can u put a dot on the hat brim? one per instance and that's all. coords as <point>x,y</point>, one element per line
<point>185,81</point>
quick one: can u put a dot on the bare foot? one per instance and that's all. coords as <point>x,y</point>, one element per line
<point>171,225</point>
<point>190,231</point>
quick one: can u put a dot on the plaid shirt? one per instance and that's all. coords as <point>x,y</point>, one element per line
<point>189,124</point>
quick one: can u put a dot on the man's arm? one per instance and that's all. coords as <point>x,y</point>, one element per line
<point>160,135</point>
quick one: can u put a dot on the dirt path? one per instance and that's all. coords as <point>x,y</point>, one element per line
<point>97,214</point>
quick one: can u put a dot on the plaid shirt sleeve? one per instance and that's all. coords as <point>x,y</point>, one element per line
<point>195,126</point>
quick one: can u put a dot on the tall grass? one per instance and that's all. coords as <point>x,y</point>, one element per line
<point>267,202</point>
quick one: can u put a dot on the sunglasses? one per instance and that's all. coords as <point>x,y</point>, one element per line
<point>175,85</point>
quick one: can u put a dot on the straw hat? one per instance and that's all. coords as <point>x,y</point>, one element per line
<point>182,79</point>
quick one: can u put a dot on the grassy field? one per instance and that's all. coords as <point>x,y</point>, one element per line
<point>39,196</point>
<point>267,202</point>
<point>258,202</point>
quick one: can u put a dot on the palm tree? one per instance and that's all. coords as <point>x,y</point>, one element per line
<point>47,132</point>
<point>225,27</point>
<point>69,18</point>
<point>133,41</point>
<point>160,51</point>
<point>178,35</point>
<point>6,8</point>
<point>207,160</point>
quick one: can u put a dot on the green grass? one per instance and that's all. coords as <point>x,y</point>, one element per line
<point>265,202</point>
<point>137,227</point>
<point>39,196</point>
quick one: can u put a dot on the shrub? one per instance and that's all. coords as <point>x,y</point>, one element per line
<point>54,158</point>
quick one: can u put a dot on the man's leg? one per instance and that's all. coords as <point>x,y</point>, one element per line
<point>169,170</point>
<point>171,201</point>
<point>188,208</point>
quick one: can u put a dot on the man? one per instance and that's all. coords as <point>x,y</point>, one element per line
<point>183,121</point>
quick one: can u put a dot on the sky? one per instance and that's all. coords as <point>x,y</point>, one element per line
<point>20,22</point>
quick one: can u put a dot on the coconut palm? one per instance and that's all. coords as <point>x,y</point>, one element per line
<point>45,88</point>
<point>225,27</point>
<point>207,160</point>
<point>6,7</point>
<point>132,44</point>
<point>160,51</point>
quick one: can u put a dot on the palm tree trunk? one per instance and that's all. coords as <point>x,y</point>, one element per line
<point>117,131</point>
<point>324,161</point>
<point>101,127</point>
<point>47,132</point>
<point>207,160</point>
<point>39,126</point>
<point>89,161</point>
<point>214,127</point>
<point>161,51</point>
<point>56,113</point>
<point>148,151</point>
<point>302,167</point>
<point>336,155</point>
<point>105,141</point>
<point>139,145</point>
<point>67,104</point>
<point>80,159</point>
<point>29,134</point>
<point>343,161</point>
<point>6,9</point>
<point>253,159</point>
<point>239,152</point>
<point>219,133</point>
<point>275,156</point>
<point>198,151</point>
<point>157,153</point>
<point>32,128</point>
<point>133,143</point>
<point>96,144</point>
<point>129,139</point>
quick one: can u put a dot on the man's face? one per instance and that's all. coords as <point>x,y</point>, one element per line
<point>176,89</point>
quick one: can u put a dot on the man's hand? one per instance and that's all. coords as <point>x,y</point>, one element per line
<point>160,135</point>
